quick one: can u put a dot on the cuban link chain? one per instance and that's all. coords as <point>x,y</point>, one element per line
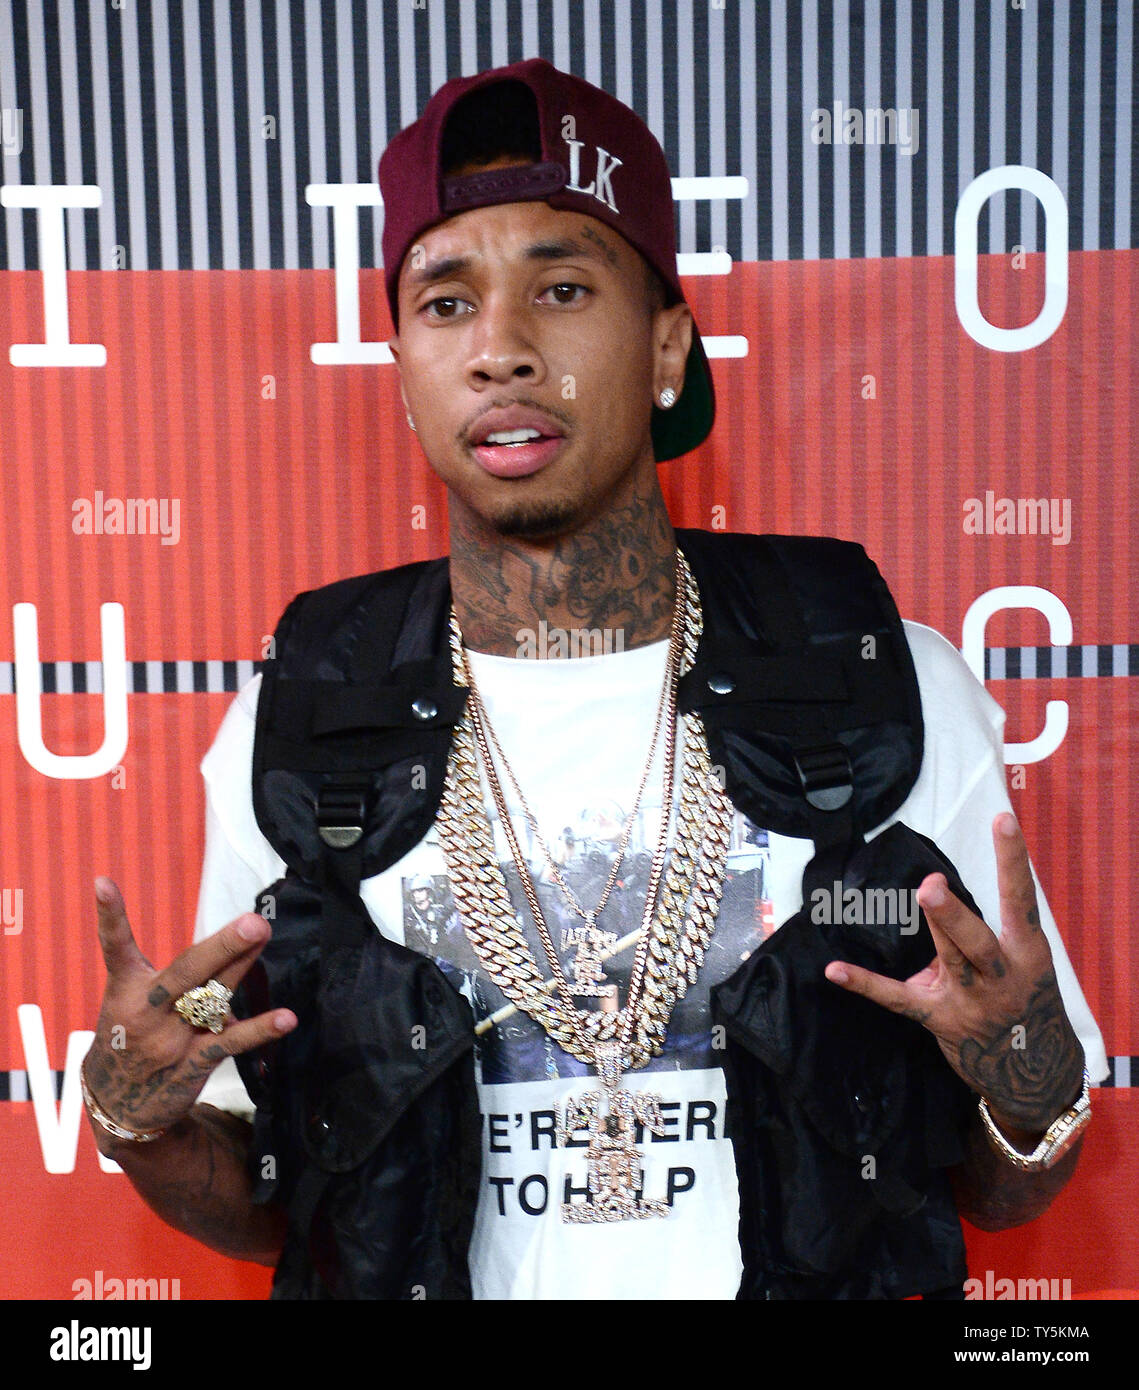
<point>685,894</point>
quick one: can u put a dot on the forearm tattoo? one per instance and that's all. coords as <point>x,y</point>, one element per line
<point>138,1101</point>
<point>1029,1068</point>
<point>992,1194</point>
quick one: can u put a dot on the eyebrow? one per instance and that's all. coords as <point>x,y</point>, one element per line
<point>562,250</point>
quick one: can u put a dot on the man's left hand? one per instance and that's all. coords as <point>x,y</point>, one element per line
<point>991,1002</point>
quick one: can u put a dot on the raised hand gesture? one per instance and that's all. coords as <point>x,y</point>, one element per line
<point>147,1064</point>
<point>992,1002</point>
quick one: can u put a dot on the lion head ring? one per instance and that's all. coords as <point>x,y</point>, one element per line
<point>207,1006</point>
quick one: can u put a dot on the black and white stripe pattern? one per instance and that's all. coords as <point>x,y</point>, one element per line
<point>163,104</point>
<point>218,677</point>
<point>143,677</point>
<point>1088,659</point>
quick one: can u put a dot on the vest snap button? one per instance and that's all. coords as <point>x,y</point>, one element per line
<point>721,683</point>
<point>424,709</point>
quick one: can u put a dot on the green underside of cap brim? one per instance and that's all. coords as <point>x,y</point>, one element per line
<point>689,422</point>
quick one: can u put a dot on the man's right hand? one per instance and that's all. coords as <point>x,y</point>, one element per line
<point>147,1065</point>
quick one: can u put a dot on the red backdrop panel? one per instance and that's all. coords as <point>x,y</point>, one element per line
<point>862,410</point>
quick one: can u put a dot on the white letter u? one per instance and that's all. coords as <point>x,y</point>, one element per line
<point>29,691</point>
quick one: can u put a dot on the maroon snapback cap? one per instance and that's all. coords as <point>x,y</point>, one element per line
<point>597,157</point>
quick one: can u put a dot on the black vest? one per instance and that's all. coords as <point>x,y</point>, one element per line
<point>844,1117</point>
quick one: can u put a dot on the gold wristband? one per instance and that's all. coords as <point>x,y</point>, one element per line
<point>104,1121</point>
<point>1057,1139</point>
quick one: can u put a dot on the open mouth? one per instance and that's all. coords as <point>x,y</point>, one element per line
<point>517,453</point>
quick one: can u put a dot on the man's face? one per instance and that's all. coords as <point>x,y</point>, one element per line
<point>522,306</point>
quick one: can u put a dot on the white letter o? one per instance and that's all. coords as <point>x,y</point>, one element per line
<point>969,207</point>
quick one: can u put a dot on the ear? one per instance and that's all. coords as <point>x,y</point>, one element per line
<point>672,338</point>
<point>393,344</point>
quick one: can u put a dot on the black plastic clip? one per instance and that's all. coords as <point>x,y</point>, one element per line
<point>825,776</point>
<point>340,813</point>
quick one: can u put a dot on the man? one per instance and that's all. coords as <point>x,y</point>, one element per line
<point>422,916</point>
<point>644,1126</point>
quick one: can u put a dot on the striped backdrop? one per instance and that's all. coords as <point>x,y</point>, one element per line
<point>851,402</point>
<point>164,106</point>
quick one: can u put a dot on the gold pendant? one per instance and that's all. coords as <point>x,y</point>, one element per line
<point>613,1162</point>
<point>588,966</point>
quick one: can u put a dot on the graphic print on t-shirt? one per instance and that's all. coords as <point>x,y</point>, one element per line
<point>519,1049</point>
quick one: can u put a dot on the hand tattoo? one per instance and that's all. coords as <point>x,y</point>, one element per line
<point>1027,1068</point>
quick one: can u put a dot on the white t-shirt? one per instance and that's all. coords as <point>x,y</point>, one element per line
<point>576,733</point>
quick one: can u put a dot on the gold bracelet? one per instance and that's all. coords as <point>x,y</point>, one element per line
<point>104,1121</point>
<point>1058,1138</point>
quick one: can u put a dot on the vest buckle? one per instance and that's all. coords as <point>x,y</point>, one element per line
<point>340,813</point>
<point>825,776</point>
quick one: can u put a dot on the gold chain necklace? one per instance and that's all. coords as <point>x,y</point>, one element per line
<point>680,914</point>
<point>593,946</point>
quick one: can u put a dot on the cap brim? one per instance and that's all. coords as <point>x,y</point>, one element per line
<point>689,422</point>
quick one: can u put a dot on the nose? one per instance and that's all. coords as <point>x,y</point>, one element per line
<point>502,348</point>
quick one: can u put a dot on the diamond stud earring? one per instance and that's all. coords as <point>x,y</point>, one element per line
<point>667,398</point>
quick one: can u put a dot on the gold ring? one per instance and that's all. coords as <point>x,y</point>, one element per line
<point>207,1006</point>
